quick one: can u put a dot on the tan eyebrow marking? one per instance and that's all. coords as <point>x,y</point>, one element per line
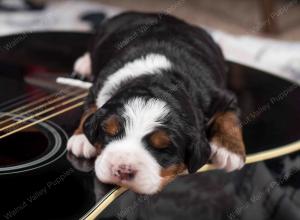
<point>160,139</point>
<point>112,125</point>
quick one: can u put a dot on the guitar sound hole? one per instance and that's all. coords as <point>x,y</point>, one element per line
<point>32,148</point>
<point>22,147</point>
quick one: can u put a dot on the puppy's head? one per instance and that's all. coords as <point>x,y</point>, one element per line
<point>144,144</point>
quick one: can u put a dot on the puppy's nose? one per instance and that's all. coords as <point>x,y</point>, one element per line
<point>125,172</point>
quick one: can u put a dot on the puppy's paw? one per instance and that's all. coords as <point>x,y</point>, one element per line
<point>83,65</point>
<point>80,146</point>
<point>222,158</point>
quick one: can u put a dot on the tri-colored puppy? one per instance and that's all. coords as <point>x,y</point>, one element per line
<point>158,104</point>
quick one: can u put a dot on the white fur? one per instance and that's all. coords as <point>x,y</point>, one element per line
<point>131,152</point>
<point>79,145</point>
<point>224,159</point>
<point>150,64</point>
<point>83,65</point>
<point>141,117</point>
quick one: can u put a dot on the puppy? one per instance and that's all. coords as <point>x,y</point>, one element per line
<point>158,105</point>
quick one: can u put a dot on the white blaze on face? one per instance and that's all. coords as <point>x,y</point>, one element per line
<point>141,118</point>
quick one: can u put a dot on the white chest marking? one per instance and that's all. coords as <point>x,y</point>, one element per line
<point>150,64</point>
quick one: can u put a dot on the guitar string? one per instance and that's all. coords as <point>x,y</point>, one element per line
<point>6,104</point>
<point>44,111</point>
<point>43,119</point>
<point>24,100</point>
<point>30,104</point>
<point>49,102</point>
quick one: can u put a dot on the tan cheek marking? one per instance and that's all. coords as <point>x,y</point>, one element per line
<point>112,125</point>
<point>168,174</point>
<point>160,139</point>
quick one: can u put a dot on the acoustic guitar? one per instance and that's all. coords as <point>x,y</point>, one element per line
<point>40,180</point>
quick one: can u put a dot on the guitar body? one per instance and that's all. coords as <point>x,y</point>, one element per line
<point>40,180</point>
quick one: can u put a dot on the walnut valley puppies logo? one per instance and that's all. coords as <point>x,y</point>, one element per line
<point>274,15</point>
<point>260,110</point>
<point>136,204</point>
<point>268,105</point>
<point>147,27</point>
<point>261,195</point>
<point>15,41</point>
<point>22,36</point>
<point>38,194</point>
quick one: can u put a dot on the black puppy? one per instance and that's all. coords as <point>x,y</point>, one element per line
<point>158,104</point>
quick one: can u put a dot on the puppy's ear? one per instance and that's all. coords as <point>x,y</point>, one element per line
<point>197,153</point>
<point>91,128</point>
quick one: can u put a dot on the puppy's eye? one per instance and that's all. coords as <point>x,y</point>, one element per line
<point>159,139</point>
<point>112,125</point>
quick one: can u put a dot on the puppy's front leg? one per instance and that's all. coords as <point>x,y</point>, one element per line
<point>83,65</point>
<point>227,146</point>
<point>78,144</point>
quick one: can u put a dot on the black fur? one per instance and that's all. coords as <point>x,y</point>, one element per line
<point>194,88</point>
